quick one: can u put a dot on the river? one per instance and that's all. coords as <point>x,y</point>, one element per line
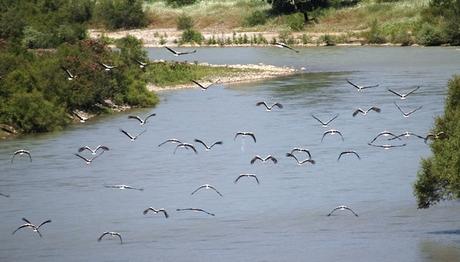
<point>284,218</point>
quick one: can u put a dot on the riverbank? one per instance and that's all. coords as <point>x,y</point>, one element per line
<point>235,74</point>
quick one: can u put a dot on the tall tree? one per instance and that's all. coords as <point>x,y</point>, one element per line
<point>302,6</point>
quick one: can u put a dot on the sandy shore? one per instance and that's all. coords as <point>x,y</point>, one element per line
<point>248,73</point>
<point>157,37</point>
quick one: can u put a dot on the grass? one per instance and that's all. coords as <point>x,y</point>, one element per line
<point>177,73</point>
<point>211,14</point>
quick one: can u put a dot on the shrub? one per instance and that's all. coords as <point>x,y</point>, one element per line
<point>439,177</point>
<point>257,17</point>
<point>374,35</point>
<point>192,36</point>
<point>116,14</point>
<point>430,35</point>
<point>184,22</point>
<point>328,40</point>
<point>179,3</point>
<point>295,21</point>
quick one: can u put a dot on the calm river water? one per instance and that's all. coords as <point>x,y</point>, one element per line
<point>282,219</point>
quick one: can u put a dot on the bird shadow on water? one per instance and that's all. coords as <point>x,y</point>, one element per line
<point>446,232</point>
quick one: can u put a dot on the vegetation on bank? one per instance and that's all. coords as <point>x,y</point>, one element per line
<point>40,40</point>
<point>406,22</point>
<point>36,96</point>
<point>439,177</point>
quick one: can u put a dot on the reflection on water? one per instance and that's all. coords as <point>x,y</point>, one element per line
<point>283,218</point>
<point>439,252</point>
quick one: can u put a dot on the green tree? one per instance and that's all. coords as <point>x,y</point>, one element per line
<point>302,6</point>
<point>443,16</point>
<point>116,14</point>
<point>439,177</point>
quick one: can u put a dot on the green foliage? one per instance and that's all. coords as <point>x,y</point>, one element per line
<point>184,22</point>
<point>444,18</point>
<point>295,21</point>
<point>430,35</point>
<point>191,36</point>
<point>35,95</point>
<point>44,23</point>
<point>257,17</point>
<point>179,3</point>
<point>329,40</point>
<point>116,14</point>
<point>374,35</point>
<point>439,176</point>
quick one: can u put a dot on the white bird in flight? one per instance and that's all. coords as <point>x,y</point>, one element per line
<point>308,160</point>
<point>404,96</point>
<point>156,211</point>
<point>245,134</point>
<point>93,151</point>
<point>206,146</point>
<point>360,88</point>
<point>332,132</point>
<point>31,226</point>
<point>133,138</point>
<point>196,210</point>
<point>122,187</point>
<point>269,108</point>
<point>70,76</point>
<point>109,233</point>
<point>107,67</point>
<point>408,113</point>
<point>248,176</point>
<point>325,123</point>
<point>203,87</point>
<point>269,157</point>
<point>341,208</point>
<point>21,152</point>
<point>178,53</point>
<point>347,153</point>
<point>283,45</point>
<point>186,146</point>
<point>364,112</point>
<point>207,186</point>
<point>142,121</point>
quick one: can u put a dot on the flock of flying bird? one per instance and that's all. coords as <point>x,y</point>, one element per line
<point>300,155</point>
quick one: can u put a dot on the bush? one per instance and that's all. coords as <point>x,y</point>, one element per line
<point>374,35</point>
<point>179,3</point>
<point>115,14</point>
<point>295,21</point>
<point>257,17</point>
<point>192,36</point>
<point>430,35</point>
<point>184,22</point>
<point>439,177</point>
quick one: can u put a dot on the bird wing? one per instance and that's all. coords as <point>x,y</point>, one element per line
<point>253,136</point>
<point>272,158</point>
<point>358,87</point>
<point>216,143</point>
<point>399,108</point>
<point>200,187</point>
<point>255,177</point>
<point>26,220</point>
<point>359,110</point>
<point>365,87</point>
<point>238,178</point>
<point>288,47</point>
<point>67,72</point>
<point>293,156</point>
<point>84,158</point>
<point>263,103</point>
<point>5,195</point>
<point>105,148</point>
<point>186,53</point>
<point>172,51</point>
<point>413,90</point>
<point>119,236</point>
<point>413,111</point>
<point>213,188</point>
<point>22,226</point>
<point>333,210</point>
<point>147,210</point>
<point>126,133</point>
<point>347,208</point>
<point>192,147</point>
<point>81,149</point>
<point>255,158</point>
<point>173,140</point>
<point>341,154</point>
<point>332,119</point>
<point>201,142</point>
<point>278,105</point>
<point>46,222</point>
<point>394,92</point>
<point>200,85</point>
<point>149,116</point>
<point>137,118</point>
<point>374,108</point>
<point>164,212</point>
<point>103,234</point>
<point>319,120</point>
